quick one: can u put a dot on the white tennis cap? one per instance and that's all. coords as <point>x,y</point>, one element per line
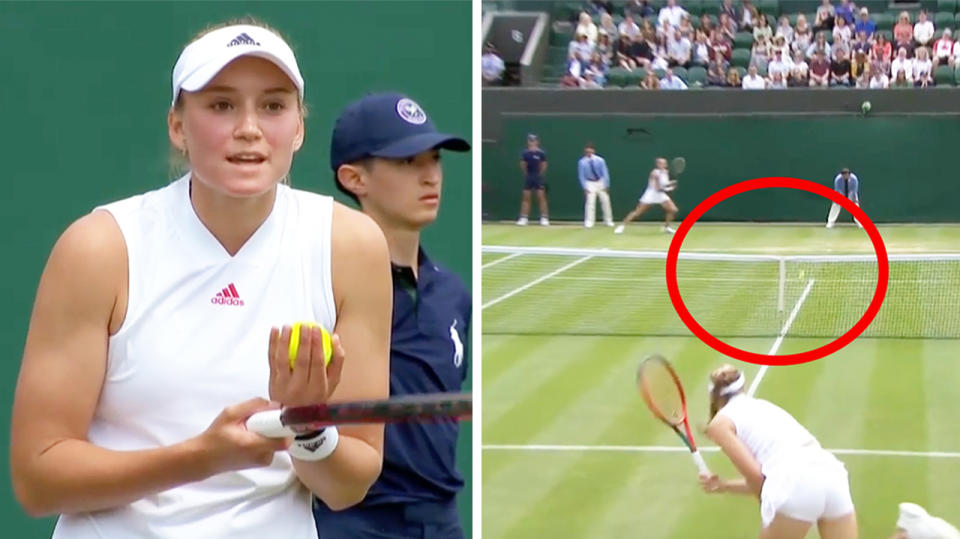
<point>201,60</point>
<point>920,525</point>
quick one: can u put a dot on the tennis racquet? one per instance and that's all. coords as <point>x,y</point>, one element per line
<point>677,166</point>
<point>660,387</point>
<point>408,408</point>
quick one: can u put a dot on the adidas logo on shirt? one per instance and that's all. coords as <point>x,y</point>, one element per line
<point>242,39</point>
<point>227,296</point>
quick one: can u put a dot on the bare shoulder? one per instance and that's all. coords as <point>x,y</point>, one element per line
<point>719,425</point>
<point>93,241</point>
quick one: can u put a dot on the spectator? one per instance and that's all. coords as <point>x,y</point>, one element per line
<point>922,69</point>
<point>733,78</point>
<point>728,28</point>
<point>819,69</point>
<point>777,82</point>
<point>589,80</point>
<point>622,56</point>
<point>923,31</point>
<point>762,30</point>
<point>784,29</point>
<point>586,28</point>
<point>608,27</point>
<point>844,11</point>
<point>862,79</point>
<point>882,51</point>
<point>838,48</point>
<point>748,16</point>
<point>706,24</point>
<point>574,72</point>
<point>628,29</point>
<point>717,69</point>
<point>659,52</point>
<point>701,50</point>
<point>842,32</point>
<point>598,7</point>
<point>686,27</point>
<point>753,81</point>
<point>823,20</point>
<point>647,28</point>
<point>491,65</point>
<point>859,65</point>
<point>729,10</point>
<point>780,43</point>
<point>878,77</point>
<point>604,49</point>
<point>903,33</point>
<point>943,49</point>
<point>799,71</point>
<point>760,54</point>
<point>670,15</point>
<point>956,53</point>
<point>901,64</point>
<point>672,82</point>
<point>650,82</point>
<point>865,23</point>
<point>802,34</point>
<point>719,43</point>
<point>819,45</point>
<point>639,9</point>
<point>678,48</point>
<point>641,52</point>
<point>840,70</point>
<point>901,80</point>
<point>779,64</point>
<point>861,43</point>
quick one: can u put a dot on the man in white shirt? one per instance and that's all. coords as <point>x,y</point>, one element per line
<point>943,49</point>
<point>678,48</point>
<point>923,30</point>
<point>628,28</point>
<point>902,63</point>
<point>779,64</point>
<point>670,15</point>
<point>753,81</point>
<point>672,82</point>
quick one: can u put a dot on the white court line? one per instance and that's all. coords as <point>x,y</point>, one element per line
<point>535,282</point>
<point>710,449</point>
<point>499,260</point>
<point>783,332</point>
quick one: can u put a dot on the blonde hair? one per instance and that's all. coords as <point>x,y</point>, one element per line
<point>722,377</point>
<point>177,160</point>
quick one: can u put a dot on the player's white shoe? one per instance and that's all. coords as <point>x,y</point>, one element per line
<point>522,221</point>
<point>588,225</point>
<point>544,221</point>
<point>668,230</point>
<point>609,224</point>
<point>829,225</point>
<point>618,230</point>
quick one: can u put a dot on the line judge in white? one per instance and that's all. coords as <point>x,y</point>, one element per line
<point>798,483</point>
<point>595,181</point>
<point>130,411</point>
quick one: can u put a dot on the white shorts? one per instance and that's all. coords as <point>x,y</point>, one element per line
<point>654,197</point>
<point>806,489</point>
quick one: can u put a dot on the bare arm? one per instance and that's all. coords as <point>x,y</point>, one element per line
<point>364,294</point>
<point>722,431</point>
<point>81,299</point>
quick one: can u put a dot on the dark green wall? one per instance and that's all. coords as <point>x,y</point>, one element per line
<point>906,163</point>
<point>85,91</point>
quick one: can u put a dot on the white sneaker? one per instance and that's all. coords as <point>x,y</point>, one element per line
<point>544,221</point>
<point>609,224</point>
<point>588,225</point>
<point>618,230</point>
<point>668,230</point>
<point>829,225</point>
<point>522,221</point>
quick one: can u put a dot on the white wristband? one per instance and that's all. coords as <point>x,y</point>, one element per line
<point>317,447</point>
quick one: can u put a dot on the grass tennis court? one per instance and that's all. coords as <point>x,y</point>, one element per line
<point>569,450</point>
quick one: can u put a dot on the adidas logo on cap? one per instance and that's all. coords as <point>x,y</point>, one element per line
<point>243,39</point>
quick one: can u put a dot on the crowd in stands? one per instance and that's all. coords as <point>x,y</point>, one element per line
<point>839,47</point>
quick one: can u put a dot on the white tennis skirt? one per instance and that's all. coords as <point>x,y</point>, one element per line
<point>654,197</point>
<point>808,486</point>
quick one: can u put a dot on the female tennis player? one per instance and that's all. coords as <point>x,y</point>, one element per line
<point>798,483</point>
<point>155,329</point>
<point>658,184</point>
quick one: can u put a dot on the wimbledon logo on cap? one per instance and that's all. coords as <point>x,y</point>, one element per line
<point>411,112</point>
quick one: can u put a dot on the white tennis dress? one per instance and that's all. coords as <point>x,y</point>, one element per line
<point>194,341</point>
<point>802,480</point>
<point>654,194</point>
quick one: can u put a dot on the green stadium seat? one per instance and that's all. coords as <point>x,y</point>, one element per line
<point>693,7</point>
<point>742,70</point>
<point>660,73</point>
<point>681,72</point>
<point>559,38</point>
<point>740,57</point>
<point>885,21</point>
<point>617,76</point>
<point>949,6</point>
<point>557,55</point>
<point>944,76</point>
<point>769,7</point>
<point>957,23</point>
<point>743,40</point>
<point>888,34</point>
<point>637,76</point>
<point>696,76</point>
<point>956,74</point>
<point>943,20</point>
<point>762,70</point>
<point>712,7</point>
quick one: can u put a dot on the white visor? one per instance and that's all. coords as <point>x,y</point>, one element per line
<point>201,60</point>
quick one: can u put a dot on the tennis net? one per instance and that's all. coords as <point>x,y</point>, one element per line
<point>557,291</point>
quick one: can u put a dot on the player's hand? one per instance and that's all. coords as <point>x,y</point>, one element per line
<point>309,382</point>
<point>230,446</point>
<point>711,483</point>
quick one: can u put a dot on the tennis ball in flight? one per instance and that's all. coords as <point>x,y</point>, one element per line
<point>295,342</point>
<point>865,107</point>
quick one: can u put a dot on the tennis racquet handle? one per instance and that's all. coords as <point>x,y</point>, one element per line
<point>268,424</point>
<point>701,465</point>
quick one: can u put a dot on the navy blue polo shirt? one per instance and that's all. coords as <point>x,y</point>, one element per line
<point>533,158</point>
<point>428,354</point>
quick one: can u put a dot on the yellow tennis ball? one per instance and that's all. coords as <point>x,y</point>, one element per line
<point>295,342</point>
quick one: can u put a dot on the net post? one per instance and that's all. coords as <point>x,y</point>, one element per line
<point>781,285</point>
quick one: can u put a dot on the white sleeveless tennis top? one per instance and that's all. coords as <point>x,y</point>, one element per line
<point>194,341</point>
<point>768,431</point>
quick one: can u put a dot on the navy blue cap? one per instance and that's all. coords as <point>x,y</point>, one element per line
<point>531,137</point>
<point>387,125</point>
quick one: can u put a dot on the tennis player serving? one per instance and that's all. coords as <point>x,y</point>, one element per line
<point>658,186</point>
<point>156,329</point>
<point>799,484</point>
